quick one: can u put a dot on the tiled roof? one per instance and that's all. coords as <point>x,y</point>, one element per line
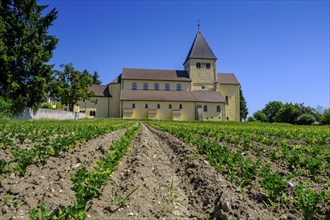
<point>183,96</point>
<point>116,80</point>
<point>200,49</point>
<point>227,78</point>
<point>100,90</point>
<point>152,74</point>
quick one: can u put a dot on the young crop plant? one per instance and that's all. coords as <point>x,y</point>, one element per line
<point>309,200</point>
<point>274,184</point>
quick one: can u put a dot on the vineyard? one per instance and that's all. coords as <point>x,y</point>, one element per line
<point>119,169</point>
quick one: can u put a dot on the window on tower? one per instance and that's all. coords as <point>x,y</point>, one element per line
<point>208,65</point>
<point>198,65</point>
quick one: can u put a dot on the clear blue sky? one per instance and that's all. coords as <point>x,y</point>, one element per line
<point>279,50</point>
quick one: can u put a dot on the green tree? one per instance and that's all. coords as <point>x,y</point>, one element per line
<point>71,86</point>
<point>288,113</point>
<point>260,116</point>
<point>271,109</point>
<point>243,106</point>
<point>326,117</point>
<point>96,78</point>
<point>25,49</point>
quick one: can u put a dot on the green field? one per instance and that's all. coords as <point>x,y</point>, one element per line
<point>282,167</point>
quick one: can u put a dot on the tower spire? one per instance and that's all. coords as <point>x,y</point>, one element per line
<point>199,26</point>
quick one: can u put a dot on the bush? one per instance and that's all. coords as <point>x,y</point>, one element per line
<point>251,119</point>
<point>288,113</point>
<point>305,119</point>
<point>260,116</point>
<point>47,105</point>
<point>10,108</point>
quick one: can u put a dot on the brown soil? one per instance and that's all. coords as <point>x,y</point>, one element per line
<point>162,177</point>
<point>50,183</point>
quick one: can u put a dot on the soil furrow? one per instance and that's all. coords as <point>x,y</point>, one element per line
<point>162,177</point>
<point>50,183</point>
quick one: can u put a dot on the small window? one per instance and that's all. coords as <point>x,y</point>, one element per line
<point>226,100</point>
<point>92,113</point>
<point>170,106</point>
<point>218,108</point>
<point>167,87</point>
<point>146,106</point>
<point>156,86</point>
<point>145,86</point>
<point>199,106</point>
<point>158,106</point>
<point>208,66</point>
<point>134,86</point>
<point>180,106</point>
<point>198,65</point>
<point>178,87</point>
<point>203,87</point>
<point>133,105</point>
<point>205,108</point>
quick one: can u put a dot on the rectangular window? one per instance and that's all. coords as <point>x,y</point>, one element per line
<point>156,86</point>
<point>146,106</point>
<point>170,106</point>
<point>178,87</point>
<point>208,65</point>
<point>198,65</point>
<point>205,108</point>
<point>226,100</point>
<point>133,105</point>
<point>92,113</point>
<point>158,106</point>
<point>167,87</point>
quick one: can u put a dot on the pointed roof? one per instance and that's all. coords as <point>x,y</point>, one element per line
<point>200,49</point>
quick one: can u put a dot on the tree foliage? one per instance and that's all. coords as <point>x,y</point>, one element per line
<point>71,86</point>
<point>260,116</point>
<point>25,48</point>
<point>288,113</point>
<point>243,106</point>
<point>326,117</point>
<point>271,109</point>
<point>96,78</point>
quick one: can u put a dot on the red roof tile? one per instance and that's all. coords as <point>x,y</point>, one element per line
<point>152,74</point>
<point>100,90</point>
<point>227,78</point>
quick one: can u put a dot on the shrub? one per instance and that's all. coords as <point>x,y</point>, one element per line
<point>251,119</point>
<point>260,116</point>
<point>305,119</point>
<point>10,108</point>
<point>47,105</point>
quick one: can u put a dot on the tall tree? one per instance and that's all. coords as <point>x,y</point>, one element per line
<point>243,106</point>
<point>25,48</point>
<point>71,86</point>
<point>96,78</point>
<point>271,109</point>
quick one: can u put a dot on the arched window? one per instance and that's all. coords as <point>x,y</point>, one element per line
<point>167,87</point>
<point>205,108</point>
<point>158,105</point>
<point>218,108</point>
<point>180,106</point>
<point>134,86</point>
<point>156,86</point>
<point>226,100</point>
<point>133,105</point>
<point>146,106</point>
<point>178,87</point>
<point>170,106</point>
<point>145,86</point>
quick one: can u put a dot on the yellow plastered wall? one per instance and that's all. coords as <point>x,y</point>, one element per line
<point>233,108</point>
<point>101,107</point>
<point>201,77</point>
<point>212,114</point>
<point>115,100</point>
<point>164,112</point>
<point>127,84</point>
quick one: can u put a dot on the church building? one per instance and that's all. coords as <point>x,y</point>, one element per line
<point>197,92</point>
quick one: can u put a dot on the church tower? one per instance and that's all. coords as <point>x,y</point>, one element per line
<point>201,65</point>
